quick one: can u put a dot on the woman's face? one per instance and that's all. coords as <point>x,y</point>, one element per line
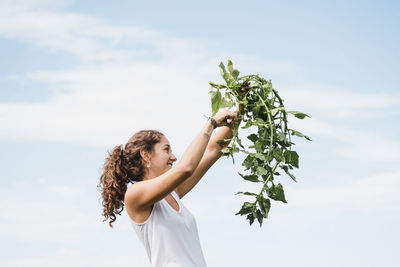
<point>162,157</point>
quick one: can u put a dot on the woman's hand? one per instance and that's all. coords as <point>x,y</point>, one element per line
<point>226,118</point>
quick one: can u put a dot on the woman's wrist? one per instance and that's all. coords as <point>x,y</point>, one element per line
<point>213,122</point>
<point>208,129</point>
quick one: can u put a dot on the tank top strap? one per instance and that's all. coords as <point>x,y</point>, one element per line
<point>175,195</point>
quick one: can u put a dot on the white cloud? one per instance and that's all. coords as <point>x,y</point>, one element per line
<point>335,193</point>
<point>60,32</point>
<point>104,103</point>
<point>100,103</point>
<point>81,35</point>
<point>373,193</point>
<point>360,145</point>
<point>322,213</point>
<point>67,222</point>
<point>370,148</point>
<point>354,120</point>
<point>339,103</point>
<point>61,223</point>
<point>24,5</point>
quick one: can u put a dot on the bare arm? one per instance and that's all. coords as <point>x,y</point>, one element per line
<point>211,155</point>
<point>145,193</point>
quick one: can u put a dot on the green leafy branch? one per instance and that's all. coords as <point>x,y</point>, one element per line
<point>262,109</point>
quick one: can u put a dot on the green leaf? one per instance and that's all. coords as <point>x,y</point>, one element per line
<point>275,192</point>
<point>232,71</point>
<point>213,84</point>
<point>299,134</point>
<point>224,74</point>
<point>261,204</point>
<point>233,159</point>
<point>235,149</point>
<point>215,101</point>
<point>253,137</point>
<point>239,142</point>
<point>260,170</point>
<point>260,156</point>
<point>285,168</point>
<point>247,207</point>
<point>298,114</point>
<point>248,162</point>
<point>282,137</point>
<point>251,178</point>
<point>250,217</point>
<point>247,125</point>
<point>246,193</point>
<point>265,205</point>
<point>261,123</point>
<point>222,69</point>
<point>226,103</point>
<point>225,150</point>
<point>259,145</point>
<point>230,66</point>
<point>292,158</point>
<point>235,74</point>
<point>278,155</point>
<point>259,217</point>
<point>274,111</point>
<point>256,110</point>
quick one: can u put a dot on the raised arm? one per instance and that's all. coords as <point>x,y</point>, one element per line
<point>145,193</point>
<point>211,155</point>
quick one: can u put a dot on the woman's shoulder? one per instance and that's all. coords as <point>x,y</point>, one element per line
<point>131,191</point>
<point>137,214</point>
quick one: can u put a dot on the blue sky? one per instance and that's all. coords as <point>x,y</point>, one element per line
<point>79,77</point>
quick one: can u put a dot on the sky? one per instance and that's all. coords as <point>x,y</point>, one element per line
<point>80,77</point>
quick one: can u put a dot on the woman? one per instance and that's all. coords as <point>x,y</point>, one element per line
<point>165,227</point>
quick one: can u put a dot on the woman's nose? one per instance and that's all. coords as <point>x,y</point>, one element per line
<point>173,157</point>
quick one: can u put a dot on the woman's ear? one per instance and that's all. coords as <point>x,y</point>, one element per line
<point>145,155</point>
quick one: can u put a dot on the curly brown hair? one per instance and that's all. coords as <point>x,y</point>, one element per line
<point>123,166</point>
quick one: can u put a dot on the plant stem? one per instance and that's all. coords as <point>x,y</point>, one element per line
<point>272,125</point>
<point>269,177</point>
<point>284,112</point>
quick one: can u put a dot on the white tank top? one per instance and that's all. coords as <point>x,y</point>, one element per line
<point>170,237</point>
